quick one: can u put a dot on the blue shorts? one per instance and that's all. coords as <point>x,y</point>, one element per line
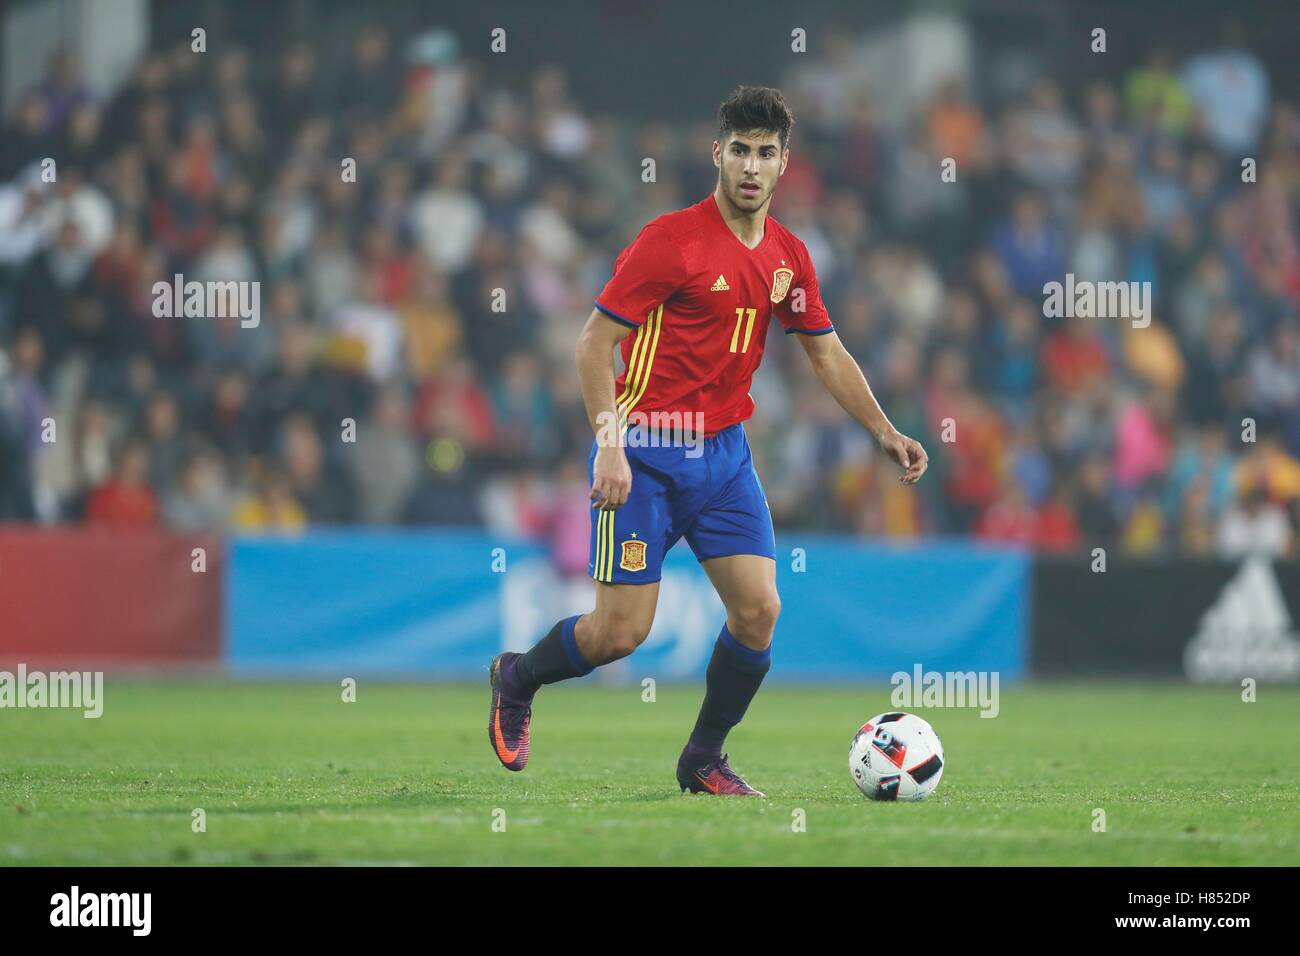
<point>714,500</point>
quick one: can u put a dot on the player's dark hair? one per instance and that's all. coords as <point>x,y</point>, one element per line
<point>751,108</point>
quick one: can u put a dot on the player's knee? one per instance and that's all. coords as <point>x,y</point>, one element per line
<point>757,619</point>
<point>620,636</point>
<point>624,639</point>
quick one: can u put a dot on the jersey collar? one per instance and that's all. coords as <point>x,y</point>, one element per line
<point>767,227</point>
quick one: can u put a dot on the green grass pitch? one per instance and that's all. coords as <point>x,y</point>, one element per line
<point>287,773</point>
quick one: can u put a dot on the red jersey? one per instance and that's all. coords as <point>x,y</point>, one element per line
<point>700,301</point>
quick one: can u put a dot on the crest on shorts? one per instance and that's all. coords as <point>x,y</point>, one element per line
<point>633,558</point>
<point>781,280</point>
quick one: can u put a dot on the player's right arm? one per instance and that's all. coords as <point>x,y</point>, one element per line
<point>645,275</point>
<point>611,476</point>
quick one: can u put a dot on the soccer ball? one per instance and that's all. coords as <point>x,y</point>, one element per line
<point>896,756</point>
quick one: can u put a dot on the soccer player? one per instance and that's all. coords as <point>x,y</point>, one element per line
<point>689,305</point>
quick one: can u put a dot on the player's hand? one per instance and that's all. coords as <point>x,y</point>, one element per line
<point>611,478</point>
<point>908,453</point>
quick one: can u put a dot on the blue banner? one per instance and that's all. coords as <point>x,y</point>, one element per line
<point>440,604</point>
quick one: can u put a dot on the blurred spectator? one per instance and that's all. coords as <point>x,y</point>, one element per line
<point>1254,525</point>
<point>201,500</point>
<point>271,507</point>
<point>1055,525</point>
<point>314,482</point>
<point>1098,522</point>
<point>1030,249</point>
<point>1156,96</point>
<point>1075,357</point>
<point>1273,375</point>
<point>1144,439</point>
<point>385,462</point>
<point>1230,89</point>
<point>125,501</point>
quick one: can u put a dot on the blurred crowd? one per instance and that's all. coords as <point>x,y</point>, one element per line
<point>413,360</point>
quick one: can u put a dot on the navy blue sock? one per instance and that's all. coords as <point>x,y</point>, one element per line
<point>554,658</point>
<point>735,672</point>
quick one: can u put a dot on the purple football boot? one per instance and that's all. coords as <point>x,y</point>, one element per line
<point>714,776</point>
<point>509,717</point>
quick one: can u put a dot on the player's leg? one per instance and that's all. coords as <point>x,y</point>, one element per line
<point>627,547</point>
<point>733,539</point>
<point>619,624</point>
<point>574,647</point>
<point>741,659</point>
<point>578,645</point>
<point>746,583</point>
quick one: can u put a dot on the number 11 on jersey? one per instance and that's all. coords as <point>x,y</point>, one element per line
<point>741,313</point>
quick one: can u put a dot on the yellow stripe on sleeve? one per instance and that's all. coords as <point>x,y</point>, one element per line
<point>629,383</point>
<point>649,360</point>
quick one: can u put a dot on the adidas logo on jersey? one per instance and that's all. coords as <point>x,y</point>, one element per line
<point>720,285</point>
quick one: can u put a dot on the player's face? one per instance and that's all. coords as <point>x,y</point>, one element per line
<point>749,165</point>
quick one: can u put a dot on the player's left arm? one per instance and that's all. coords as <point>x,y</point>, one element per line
<point>843,378</point>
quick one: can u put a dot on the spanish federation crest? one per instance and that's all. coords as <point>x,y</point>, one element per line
<point>781,280</point>
<point>633,558</point>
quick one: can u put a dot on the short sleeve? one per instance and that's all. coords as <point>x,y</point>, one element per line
<point>646,273</point>
<point>802,309</point>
